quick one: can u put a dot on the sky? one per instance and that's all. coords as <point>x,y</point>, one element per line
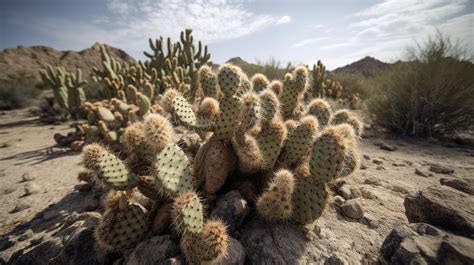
<point>298,31</point>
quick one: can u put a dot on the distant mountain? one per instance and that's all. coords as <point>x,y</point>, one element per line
<point>25,62</point>
<point>366,66</point>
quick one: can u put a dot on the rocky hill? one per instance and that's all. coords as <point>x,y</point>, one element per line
<point>366,66</point>
<point>25,62</point>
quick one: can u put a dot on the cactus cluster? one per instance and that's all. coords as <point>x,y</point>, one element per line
<point>68,88</point>
<point>278,151</point>
<point>170,65</point>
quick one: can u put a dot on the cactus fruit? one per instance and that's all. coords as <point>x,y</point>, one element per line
<point>309,200</point>
<point>259,82</point>
<point>122,225</point>
<point>275,202</point>
<point>158,131</point>
<point>186,213</point>
<point>321,110</point>
<point>299,141</point>
<point>172,171</point>
<point>207,247</point>
<point>329,152</point>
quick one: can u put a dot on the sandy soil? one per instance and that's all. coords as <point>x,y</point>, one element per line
<point>27,149</point>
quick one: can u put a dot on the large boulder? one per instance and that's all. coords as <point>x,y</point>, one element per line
<point>442,207</point>
<point>154,250</point>
<point>421,243</point>
<point>232,208</point>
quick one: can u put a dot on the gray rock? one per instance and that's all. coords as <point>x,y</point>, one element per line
<point>338,200</point>
<point>371,221</point>
<point>441,169</point>
<point>377,161</point>
<point>271,243</point>
<point>380,168</point>
<point>363,166</point>
<point>353,209</point>
<point>423,173</point>
<point>26,235</point>
<point>442,207</point>
<point>367,157</point>
<point>388,147</point>
<point>20,206</point>
<point>26,177</point>
<point>423,244</point>
<point>334,259</point>
<point>8,190</point>
<point>345,192</point>
<point>232,209</point>
<point>179,260</point>
<point>367,194</point>
<point>31,188</point>
<point>41,254</point>
<point>464,185</point>
<point>6,243</point>
<point>373,181</point>
<point>236,255</point>
<point>398,164</point>
<point>153,251</point>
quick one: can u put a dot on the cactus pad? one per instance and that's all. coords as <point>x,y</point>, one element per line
<point>186,213</point>
<point>275,202</point>
<point>229,77</point>
<point>105,114</point>
<point>321,110</point>
<point>299,141</point>
<point>309,200</point>
<point>227,119</point>
<point>114,173</point>
<point>172,171</point>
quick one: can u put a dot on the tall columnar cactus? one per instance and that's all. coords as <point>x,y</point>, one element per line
<point>318,73</point>
<point>68,88</point>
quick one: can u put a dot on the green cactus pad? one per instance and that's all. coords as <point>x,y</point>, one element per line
<point>298,142</point>
<point>143,103</point>
<point>229,79</point>
<point>105,114</point>
<point>172,172</point>
<point>122,229</point>
<point>227,119</point>
<point>351,163</point>
<point>186,115</point>
<point>187,213</point>
<point>321,110</point>
<point>309,200</point>
<point>327,157</point>
<point>114,173</point>
<point>270,141</point>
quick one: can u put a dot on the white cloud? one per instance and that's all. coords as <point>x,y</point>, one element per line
<point>132,22</point>
<point>284,20</point>
<point>307,42</point>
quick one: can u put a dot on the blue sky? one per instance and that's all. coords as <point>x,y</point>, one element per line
<point>337,32</point>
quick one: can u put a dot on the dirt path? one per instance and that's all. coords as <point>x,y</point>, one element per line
<point>386,177</point>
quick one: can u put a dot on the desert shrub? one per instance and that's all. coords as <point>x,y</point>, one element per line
<point>352,84</point>
<point>18,92</point>
<point>430,95</point>
<point>271,68</point>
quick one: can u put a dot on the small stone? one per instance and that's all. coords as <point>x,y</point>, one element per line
<point>400,189</point>
<point>423,173</point>
<point>6,243</point>
<point>408,162</point>
<point>367,194</point>
<point>380,168</point>
<point>398,164</point>
<point>26,177</point>
<point>83,187</point>
<point>345,192</point>
<point>335,260</point>
<point>36,241</point>
<point>441,169</point>
<point>353,209</point>
<point>387,147</point>
<point>371,221</point>
<point>464,185</point>
<point>26,235</point>
<point>31,188</point>
<point>4,145</point>
<point>363,166</point>
<point>20,207</point>
<point>377,161</point>
<point>9,190</point>
<point>355,193</point>
<point>372,181</point>
<point>367,157</point>
<point>338,200</point>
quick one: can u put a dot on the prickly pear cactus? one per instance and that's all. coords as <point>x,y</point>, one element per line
<point>309,200</point>
<point>186,213</point>
<point>299,141</point>
<point>275,202</point>
<point>114,173</point>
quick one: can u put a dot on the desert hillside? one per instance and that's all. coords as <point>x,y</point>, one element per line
<point>25,62</point>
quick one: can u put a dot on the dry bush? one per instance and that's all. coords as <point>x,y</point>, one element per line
<point>430,95</point>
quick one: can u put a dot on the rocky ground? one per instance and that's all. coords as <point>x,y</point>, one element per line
<point>46,215</point>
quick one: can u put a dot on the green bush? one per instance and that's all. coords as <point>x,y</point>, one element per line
<point>352,83</point>
<point>430,95</point>
<point>18,92</point>
<point>271,68</point>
